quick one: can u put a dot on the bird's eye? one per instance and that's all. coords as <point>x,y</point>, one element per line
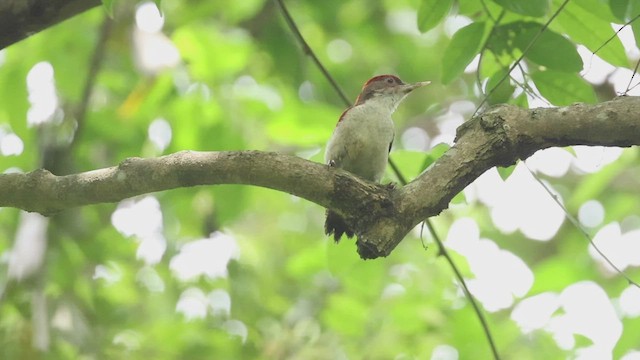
<point>390,80</point>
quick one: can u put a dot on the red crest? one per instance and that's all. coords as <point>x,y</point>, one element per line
<point>383,78</point>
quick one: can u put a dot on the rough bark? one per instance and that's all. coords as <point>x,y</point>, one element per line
<point>22,18</point>
<point>380,216</point>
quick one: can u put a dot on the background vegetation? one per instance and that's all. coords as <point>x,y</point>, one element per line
<point>242,272</point>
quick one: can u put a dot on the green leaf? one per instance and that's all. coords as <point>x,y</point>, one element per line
<point>598,8</point>
<point>590,30</point>
<point>410,163</point>
<point>434,154</point>
<point>635,26</point>
<point>432,12</point>
<point>550,49</point>
<point>460,198</point>
<point>535,8</point>
<point>505,172</point>
<point>625,11</point>
<point>619,9</point>
<point>570,150</point>
<point>499,93</point>
<point>464,46</point>
<point>491,62</point>
<point>521,101</point>
<point>413,163</point>
<point>562,88</point>
<point>633,14</point>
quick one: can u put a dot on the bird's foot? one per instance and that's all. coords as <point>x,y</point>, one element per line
<point>391,186</point>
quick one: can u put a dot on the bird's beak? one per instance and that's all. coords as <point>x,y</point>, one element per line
<point>407,88</point>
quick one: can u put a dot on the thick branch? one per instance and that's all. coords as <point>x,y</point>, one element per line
<point>46,193</point>
<point>380,216</point>
<point>22,18</point>
<point>505,134</point>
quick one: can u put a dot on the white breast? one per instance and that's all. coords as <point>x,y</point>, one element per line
<point>360,142</point>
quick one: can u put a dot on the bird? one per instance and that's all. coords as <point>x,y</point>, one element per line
<point>362,138</point>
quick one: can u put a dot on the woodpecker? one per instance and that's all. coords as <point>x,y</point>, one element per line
<point>362,139</point>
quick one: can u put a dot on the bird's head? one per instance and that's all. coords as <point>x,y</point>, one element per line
<point>386,90</point>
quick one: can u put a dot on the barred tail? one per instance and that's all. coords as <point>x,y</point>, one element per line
<point>335,225</point>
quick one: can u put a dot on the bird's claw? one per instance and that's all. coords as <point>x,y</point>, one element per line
<point>391,186</point>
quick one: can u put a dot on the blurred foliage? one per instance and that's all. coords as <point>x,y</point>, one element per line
<point>242,82</point>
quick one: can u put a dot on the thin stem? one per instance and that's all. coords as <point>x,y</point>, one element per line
<point>635,71</point>
<point>584,232</point>
<point>571,218</point>
<point>496,22</point>
<point>524,53</point>
<point>615,34</point>
<point>307,50</point>
<point>527,88</point>
<point>486,10</point>
<point>442,250</point>
<point>92,73</point>
<point>401,179</point>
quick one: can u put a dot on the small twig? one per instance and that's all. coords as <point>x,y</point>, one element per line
<point>615,34</point>
<point>524,53</point>
<point>584,232</point>
<point>94,67</point>
<point>307,50</point>
<point>394,167</point>
<point>486,43</point>
<point>634,86</point>
<point>571,218</point>
<point>527,88</point>
<point>442,250</point>
<point>486,10</point>
<point>635,71</point>
<point>523,85</point>
<point>401,179</point>
<point>424,245</point>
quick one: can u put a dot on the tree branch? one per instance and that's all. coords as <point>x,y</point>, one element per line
<point>22,18</point>
<point>380,216</point>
